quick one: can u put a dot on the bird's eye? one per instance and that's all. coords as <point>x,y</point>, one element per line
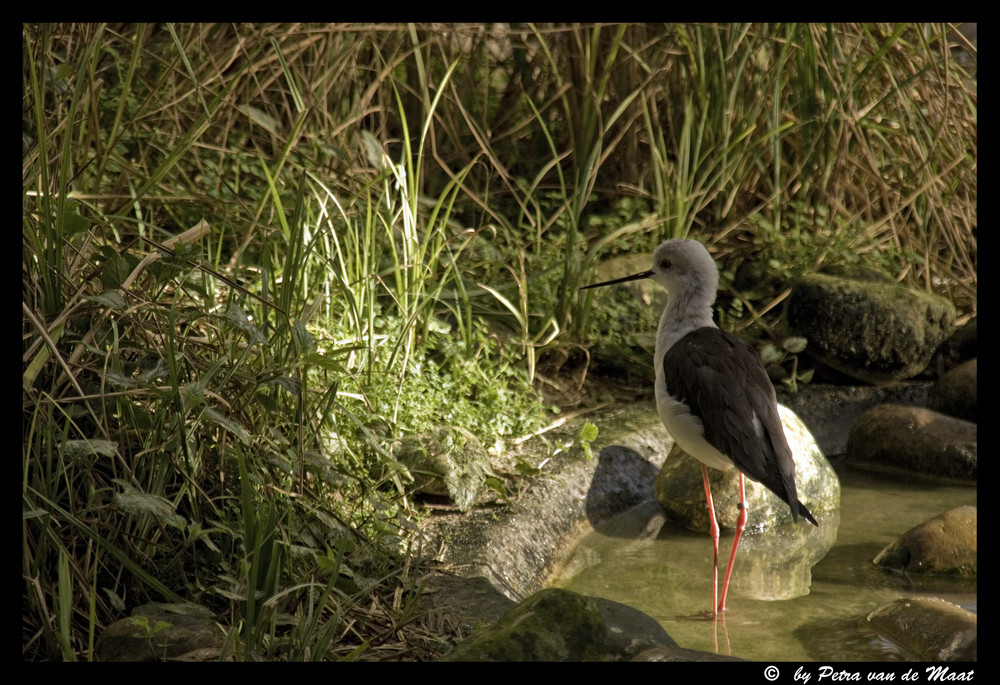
<point>665,264</point>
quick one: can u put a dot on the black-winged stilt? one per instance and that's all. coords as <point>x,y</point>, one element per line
<point>712,392</point>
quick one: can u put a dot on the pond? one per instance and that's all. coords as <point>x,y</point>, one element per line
<point>667,575</point>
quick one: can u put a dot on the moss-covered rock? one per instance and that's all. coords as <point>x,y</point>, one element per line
<point>867,326</point>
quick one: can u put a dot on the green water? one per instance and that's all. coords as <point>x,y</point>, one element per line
<point>669,578</point>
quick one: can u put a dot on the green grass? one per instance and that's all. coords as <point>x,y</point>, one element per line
<point>255,256</point>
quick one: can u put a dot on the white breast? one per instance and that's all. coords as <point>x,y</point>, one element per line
<point>687,431</point>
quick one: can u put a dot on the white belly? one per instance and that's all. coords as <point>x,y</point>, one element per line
<point>686,430</point>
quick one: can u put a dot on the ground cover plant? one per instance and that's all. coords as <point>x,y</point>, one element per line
<point>255,256</point>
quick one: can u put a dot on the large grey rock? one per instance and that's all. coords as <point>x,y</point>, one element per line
<point>775,565</point>
<point>829,411</point>
<point>466,603</point>
<point>680,492</point>
<point>863,324</point>
<point>914,441</point>
<point>518,544</point>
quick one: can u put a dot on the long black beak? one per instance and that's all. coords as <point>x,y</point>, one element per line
<point>633,277</point>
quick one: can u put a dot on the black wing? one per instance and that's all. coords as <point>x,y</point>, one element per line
<point>722,380</point>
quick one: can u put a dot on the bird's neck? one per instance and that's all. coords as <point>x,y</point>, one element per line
<point>686,311</point>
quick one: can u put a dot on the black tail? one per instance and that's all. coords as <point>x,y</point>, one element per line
<point>804,513</point>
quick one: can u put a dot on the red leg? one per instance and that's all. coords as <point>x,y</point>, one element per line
<point>741,523</point>
<point>713,529</point>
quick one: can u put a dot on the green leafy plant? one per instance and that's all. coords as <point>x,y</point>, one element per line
<point>142,621</point>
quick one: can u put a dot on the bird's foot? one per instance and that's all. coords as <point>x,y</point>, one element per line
<point>706,615</point>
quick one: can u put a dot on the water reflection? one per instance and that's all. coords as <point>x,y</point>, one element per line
<point>667,574</point>
<point>777,564</point>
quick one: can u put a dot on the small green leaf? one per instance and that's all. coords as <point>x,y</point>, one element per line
<point>794,344</point>
<point>134,501</point>
<point>302,336</point>
<point>292,385</point>
<point>260,117</point>
<point>75,449</point>
<point>239,318</point>
<point>496,485</point>
<point>119,380</point>
<point>116,269</point>
<point>74,223</point>
<point>230,425</point>
<point>112,299</point>
<point>373,149</point>
<point>769,354</point>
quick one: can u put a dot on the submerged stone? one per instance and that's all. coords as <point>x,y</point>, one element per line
<point>930,629</point>
<point>945,545</point>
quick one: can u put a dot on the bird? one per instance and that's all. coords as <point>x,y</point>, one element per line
<point>712,392</point>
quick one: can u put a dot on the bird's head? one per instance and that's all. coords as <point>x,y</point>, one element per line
<point>680,266</point>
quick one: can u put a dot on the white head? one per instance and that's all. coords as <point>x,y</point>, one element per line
<point>691,278</point>
<point>685,269</point>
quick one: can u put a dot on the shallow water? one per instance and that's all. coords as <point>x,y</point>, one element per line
<point>669,577</point>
